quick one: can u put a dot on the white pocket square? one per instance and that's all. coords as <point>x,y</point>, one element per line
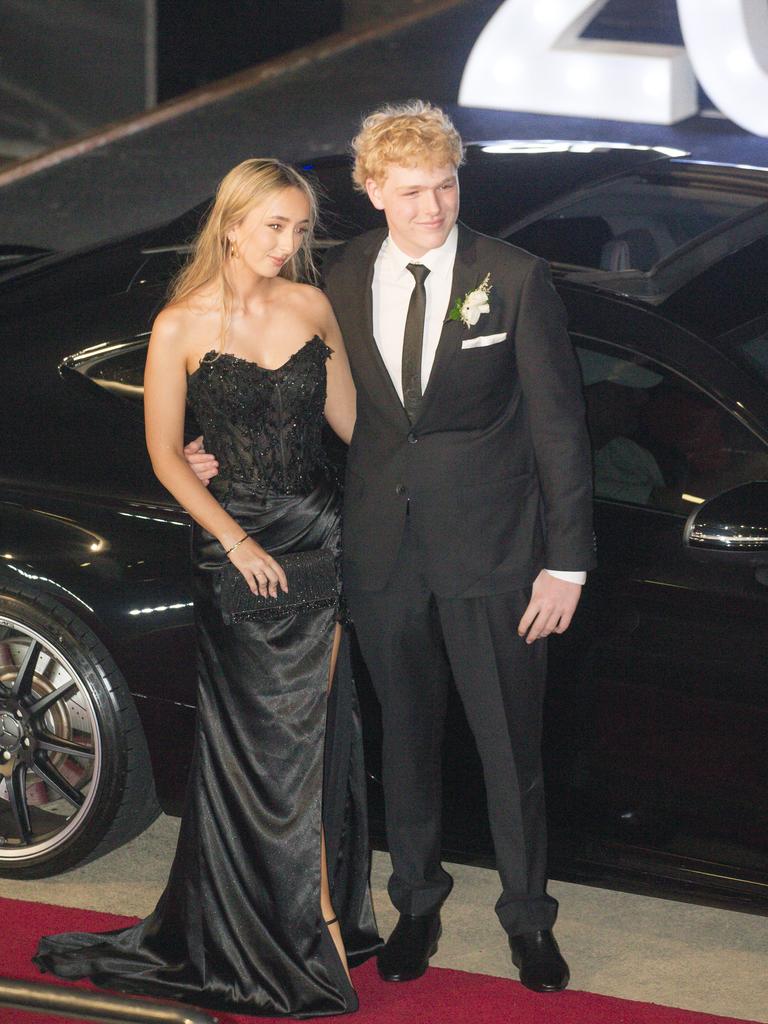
<point>483,340</point>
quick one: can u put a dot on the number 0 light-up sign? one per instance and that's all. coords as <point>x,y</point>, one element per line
<point>530,57</point>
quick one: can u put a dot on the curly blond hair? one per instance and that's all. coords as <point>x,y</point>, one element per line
<point>407,134</point>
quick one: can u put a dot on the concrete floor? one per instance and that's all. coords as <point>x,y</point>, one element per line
<point>617,944</point>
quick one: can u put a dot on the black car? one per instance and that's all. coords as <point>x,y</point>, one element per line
<point>657,720</point>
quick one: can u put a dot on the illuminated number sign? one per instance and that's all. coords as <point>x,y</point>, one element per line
<point>530,57</point>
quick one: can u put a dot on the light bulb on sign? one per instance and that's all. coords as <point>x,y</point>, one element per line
<point>508,70</point>
<point>581,74</point>
<point>739,61</point>
<point>654,83</point>
<point>549,12</point>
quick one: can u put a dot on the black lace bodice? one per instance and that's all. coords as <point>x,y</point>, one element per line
<point>264,426</point>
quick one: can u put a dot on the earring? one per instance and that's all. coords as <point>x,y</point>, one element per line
<point>234,251</point>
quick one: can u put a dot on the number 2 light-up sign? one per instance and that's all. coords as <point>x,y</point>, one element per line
<point>530,57</point>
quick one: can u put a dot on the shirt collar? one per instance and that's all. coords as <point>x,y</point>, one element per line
<point>439,260</point>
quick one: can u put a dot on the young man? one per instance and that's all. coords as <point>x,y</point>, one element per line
<point>467,518</point>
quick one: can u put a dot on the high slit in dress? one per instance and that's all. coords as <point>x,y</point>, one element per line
<point>239,926</point>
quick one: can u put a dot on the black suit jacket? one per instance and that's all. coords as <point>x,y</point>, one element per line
<point>496,470</point>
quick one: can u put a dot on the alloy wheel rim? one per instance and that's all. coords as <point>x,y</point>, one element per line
<point>50,745</point>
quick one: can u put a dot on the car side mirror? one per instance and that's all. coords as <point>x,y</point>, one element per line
<point>732,526</point>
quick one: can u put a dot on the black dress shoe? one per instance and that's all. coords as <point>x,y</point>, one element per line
<point>541,964</point>
<point>408,949</point>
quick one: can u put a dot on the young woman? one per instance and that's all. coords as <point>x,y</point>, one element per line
<point>248,921</point>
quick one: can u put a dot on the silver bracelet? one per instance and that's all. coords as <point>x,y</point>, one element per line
<point>236,545</point>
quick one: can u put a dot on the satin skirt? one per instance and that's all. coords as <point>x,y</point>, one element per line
<point>239,926</point>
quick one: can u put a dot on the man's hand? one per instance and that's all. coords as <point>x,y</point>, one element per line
<point>204,466</point>
<point>550,610</point>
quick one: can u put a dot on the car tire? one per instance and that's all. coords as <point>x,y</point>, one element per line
<point>75,775</point>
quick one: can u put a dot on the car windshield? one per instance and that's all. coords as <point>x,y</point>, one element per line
<point>635,222</point>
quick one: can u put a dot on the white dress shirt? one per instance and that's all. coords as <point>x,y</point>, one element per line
<point>392,287</point>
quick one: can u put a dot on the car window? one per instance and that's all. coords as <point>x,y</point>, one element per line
<point>748,344</point>
<point>657,441</point>
<point>754,352</point>
<point>117,367</point>
<point>730,293</point>
<point>631,223</point>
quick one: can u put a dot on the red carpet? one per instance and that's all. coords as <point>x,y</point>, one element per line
<point>440,997</point>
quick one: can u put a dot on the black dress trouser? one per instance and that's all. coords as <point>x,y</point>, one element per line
<point>413,641</point>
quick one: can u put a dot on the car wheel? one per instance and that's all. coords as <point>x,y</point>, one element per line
<point>75,776</point>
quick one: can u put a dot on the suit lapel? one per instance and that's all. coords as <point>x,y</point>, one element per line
<point>465,279</point>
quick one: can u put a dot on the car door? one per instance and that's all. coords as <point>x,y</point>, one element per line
<point>657,723</point>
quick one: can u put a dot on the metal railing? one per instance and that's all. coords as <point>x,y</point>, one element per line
<point>63,1001</point>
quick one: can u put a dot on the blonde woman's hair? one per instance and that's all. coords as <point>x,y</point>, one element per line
<point>246,186</point>
<point>406,134</point>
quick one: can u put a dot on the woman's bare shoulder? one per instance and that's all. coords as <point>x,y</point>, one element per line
<point>190,322</point>
<point>313,305</point>
<point>306,296</point>
<point>171,319</point>
<point>308,306</point>
<point>170,325</point>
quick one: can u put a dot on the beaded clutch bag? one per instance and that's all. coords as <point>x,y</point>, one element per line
<point>312,583</point>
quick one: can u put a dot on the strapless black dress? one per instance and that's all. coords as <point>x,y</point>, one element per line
<point>239,926</point>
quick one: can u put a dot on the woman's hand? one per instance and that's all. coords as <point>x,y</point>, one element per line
<point>262,573</point>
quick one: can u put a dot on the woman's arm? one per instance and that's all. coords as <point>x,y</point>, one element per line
<point>340,402</point>
<point>165,393</point>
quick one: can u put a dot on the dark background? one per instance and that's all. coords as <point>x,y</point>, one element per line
<point>69,66</point>
<point>89,67</point>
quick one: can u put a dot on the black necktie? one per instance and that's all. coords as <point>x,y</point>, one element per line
<point>412,341</point>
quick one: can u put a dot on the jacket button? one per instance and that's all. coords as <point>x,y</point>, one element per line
<point>400,489</point>
<point>412,438</point>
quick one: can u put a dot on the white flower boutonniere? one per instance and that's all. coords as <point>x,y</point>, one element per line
<point>473,305</point>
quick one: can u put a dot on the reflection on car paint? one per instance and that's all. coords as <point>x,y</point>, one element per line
<point>37,577</point>
<point>162,608</point>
